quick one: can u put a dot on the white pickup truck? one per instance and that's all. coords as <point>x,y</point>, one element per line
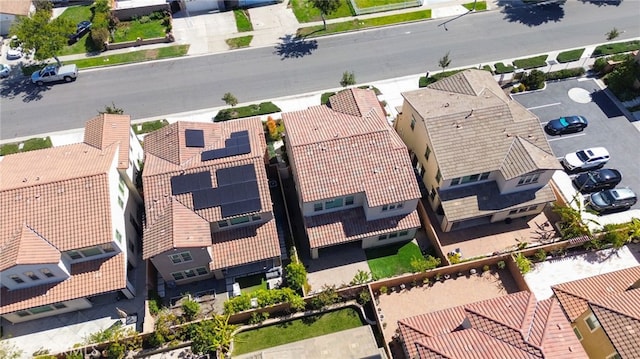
<point>53,73</point>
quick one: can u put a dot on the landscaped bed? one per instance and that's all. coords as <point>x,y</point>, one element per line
<point>531,62</point>
<point>358,24</point>
<point>295,330</point>
<point>616,48</point>
<point>252,283</point>
<point>392,260</point>
<point>31,144</point>
<point>146,27</point>
<point>305,12</point>
<point>568,56</point>
<point>263,108</point>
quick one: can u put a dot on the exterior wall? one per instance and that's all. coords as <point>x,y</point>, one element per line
<point>201,257</point>
<point>501,216</point>
<point>119,228</point>
<point>59,271</point>
<point>596,343</point>
<point>512,185</point>
<point>359,199</point>
<point>373,213</point>
<point>123,13</point>
<point>370,242</point>
<point>70,306</point>
<point>6,20</point>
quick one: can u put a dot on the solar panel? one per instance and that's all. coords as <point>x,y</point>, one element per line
<point>194,138</point>
<point>237,144</point>
<point>206,198</point>
<point>213,154</point>
<point>235,174</point>
<point>240,207</point>
<point>244,133</point>
<point>191,182</point>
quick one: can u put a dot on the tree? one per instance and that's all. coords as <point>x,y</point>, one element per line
<point>296,276</point>
<point>44,36</point>
<point>444,61</point>
<point>533,80</point>
<point>613,34</point>
<point>348,79</point>
<point>229,99</point>
<point>9,351</point>
<point>361,277</point>
<point>211,335</point>
<point>326,7</point>
<point>112,110</point>
<point>421,264</point>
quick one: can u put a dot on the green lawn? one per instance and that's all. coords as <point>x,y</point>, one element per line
<point>531,62</point>
<point>305,12</point>
<point>295,330</point>
<point>84,45</point>
<point>77,13</point>
<point>239,42</point>
<point>149,126</point>
<point>31,144</point>
<point>502,68</point>
<point>252,283</point>
<point>571,55</point>
<point>131,57</point>
<point>616,48</point>
<point>243,23</point>
<point>314,31</point>
<point>371,3</point>
<point>479,6</point>
<point>131,30</point>
<point>391,260</point>
<point>263,108</point>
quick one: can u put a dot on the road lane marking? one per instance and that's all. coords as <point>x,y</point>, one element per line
<point>565,137</point>
<point>543,106</point>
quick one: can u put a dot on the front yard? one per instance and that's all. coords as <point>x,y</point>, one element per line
<point>392,260</point>
<point>145,27</point>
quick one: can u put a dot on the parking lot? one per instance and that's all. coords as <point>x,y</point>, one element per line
<point>607,125</point>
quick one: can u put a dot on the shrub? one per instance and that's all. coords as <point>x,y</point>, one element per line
<point>155,302</point>
<point>541,255</point>
<point>99,37</point>
<point>144,20</point>
<point>422,264</point>
<point>502,68</point>
<point>190,309</point>
<point>361,277</point>
<point>325,298</point>
<point>600,64</point>
<point>617,238</point>
<point>296,276</point>
<point>485,268</point>
<point>384,289</point>
<point>36,144</point>
<point>523,263</point>
<point>534,80</point>
<point>515,89</point>
<point>454,258</point>
<point>324,98</point>
<point>258,317</point>
<point>265,298</point>
<point>566,73</point>
<point>364,297</point>
<point>501,265</point>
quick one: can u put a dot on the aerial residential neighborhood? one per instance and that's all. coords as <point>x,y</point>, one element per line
<point>312,179</point>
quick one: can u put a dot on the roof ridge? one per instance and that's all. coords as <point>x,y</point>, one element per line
<point>612,310</point>
<point>546,320</point>
<point>414,328</point>
<point>335,139</point>
<point>533,316</point>
<point>427,347</point>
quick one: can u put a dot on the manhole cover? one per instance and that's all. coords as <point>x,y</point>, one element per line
<point>579,95</point>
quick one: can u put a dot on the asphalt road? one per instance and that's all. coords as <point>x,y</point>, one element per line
<point>154,89</point>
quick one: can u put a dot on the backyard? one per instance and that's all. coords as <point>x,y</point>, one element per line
<point>392,260</point>
<point>294,330</point>
<point>252,283</point>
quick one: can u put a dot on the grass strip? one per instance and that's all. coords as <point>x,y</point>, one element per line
<point>531,62</point>
<point>391,260</point>
<point>295,330</point>
<point>132,57</point>
<point>263,108</point>
<point>149,126</point>
<point>243,22</point>
<point>479,6</point>
<point>36,143</point>
<point>568,56</point>
<point>239,42</point>
<point>502,68</point>
<point>356,24</point>
<point>616,48</point>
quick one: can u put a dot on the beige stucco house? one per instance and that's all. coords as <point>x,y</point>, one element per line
<point>69,226</point>
<point>352,173</point>
<point>482,156</point>
<point>208,207</point>
<point>10,10</point>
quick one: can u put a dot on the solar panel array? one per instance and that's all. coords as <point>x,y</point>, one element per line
<point>194,138</point>
<point>237,144</point>
<point>190,183</point>
<point>237,192</point>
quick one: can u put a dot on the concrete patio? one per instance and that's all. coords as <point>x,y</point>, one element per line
<point>336,266</point>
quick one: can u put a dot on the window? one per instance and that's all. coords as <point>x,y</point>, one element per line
<point>592,322</point>
<point>256,217</point>
<point>32,275</point>
<point>438,176</point>
<point>427,152</point>
<point>181,257</point>
<point>393,235</point>
<point>413,123</point>
<point>222,224</point>
<point>90,252</point>
<point>382,237</point>
<point>529,179</point>
<point>336,203</point>
<point>118,236</point>
<point>513,211</point>
<point>484,176</point>
<point>532,208</point>
<point>74,254</point>
<point>522,210</point>
<point>59,306</point>
<point>121,186</point>
<point>177,275</point>
<point>317,207</point>
<point>392,206</point>
<point>385,207</point>
<point>190,273</point>
<point>403,233</point>
<point>17,279</point>
<point>348,201</point>
<point>202,271</point>
<point>43,309</point>
<point>399,205</point>
<point>108,248</point>
<point>120,202</point>
<point>239,220</point>
<point>47,273</point>
<point>432,194</point>
<point>455,181</point>
<point>23,313</point>
<point>577,332</point>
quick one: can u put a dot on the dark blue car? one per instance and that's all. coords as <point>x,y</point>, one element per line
<point>568,124</point>
<point>82,28</point>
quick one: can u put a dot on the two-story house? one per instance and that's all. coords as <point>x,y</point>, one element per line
<point>482,156</point>
<point>511,326</point>
<point>604,311</point>
<point>69,222</point>
<point>208,207</point>
<point>352,173</point>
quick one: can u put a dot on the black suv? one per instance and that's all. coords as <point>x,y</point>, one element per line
<point>82,28</point>
<point>605,178</point>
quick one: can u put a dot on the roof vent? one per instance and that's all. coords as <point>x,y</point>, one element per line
<point>446,104</point>
<point>469,115</point>
<point>458,125</point>
<point>24,179</point>
<point>509,135</point>
<point>376,170</point>
<point>38,178</point>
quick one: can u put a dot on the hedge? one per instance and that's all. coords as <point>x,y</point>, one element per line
<point>616,48</point>
<point>566,73</point>
<point>149,126</point>
<point>531,62</point>
<point>424,81</point>
<point>263,108</point>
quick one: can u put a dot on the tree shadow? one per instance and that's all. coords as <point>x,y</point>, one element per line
<point>532,14</point>
<point>294,47</point>
<point>602,2</point>
<point>19,86</point>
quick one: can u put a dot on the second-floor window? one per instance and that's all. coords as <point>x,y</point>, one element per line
<point>427,153</point>
<point>413,123</point>
<point>525,180</point>
<point>348,200</point>
<point>17,279</point>
<point>336,203</point>
<point>592,322</point>
<point>181,257</point>
<point>47,273</point>
<point>32,276</point>
<point>391,207</point>
<point>438,176</point>
<point>468,179</point>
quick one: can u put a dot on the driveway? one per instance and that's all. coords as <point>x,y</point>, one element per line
<point>607,125</point>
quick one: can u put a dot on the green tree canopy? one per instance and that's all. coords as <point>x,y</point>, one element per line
<point>296,276</point>
<point>44,36</point>
<point>326,7</point>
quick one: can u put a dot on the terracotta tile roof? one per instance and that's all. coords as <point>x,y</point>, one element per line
<point>166,156</point>
<point>107,129</point>
<point>87,279</point>
<point>358,155</point>
<point>28,248</point>
<point>575,295</point>
<point>356,102</point>
<point>512,326</point>
<point>245,245</point>
<point>15,7</point>
<point>468,113</point>
<point>350,225</point>
<point>619,316</point>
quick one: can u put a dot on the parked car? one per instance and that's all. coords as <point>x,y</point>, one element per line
<point>14,53</point>
<point>82,28</point>
<point>586,159</point>
<point>611,199</point>
<point>598,180</point>
<point>4,71</point>
<point>53,73</point>
<point>568,124</point>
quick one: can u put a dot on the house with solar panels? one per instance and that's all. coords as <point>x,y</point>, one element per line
<point>208,206</point>
<point>70,223</point>
<point>353,175</point>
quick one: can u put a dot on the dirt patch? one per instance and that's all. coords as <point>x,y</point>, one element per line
<point>151,54</point>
